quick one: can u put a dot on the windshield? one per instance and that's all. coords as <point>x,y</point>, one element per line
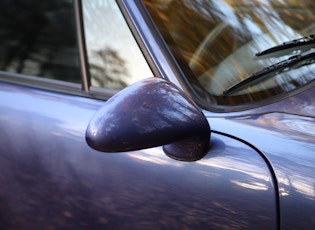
<point>218,41</point>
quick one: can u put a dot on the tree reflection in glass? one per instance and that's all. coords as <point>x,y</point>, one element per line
<point>114,57</point>
<point>38,39</point>
<point>215,41</point>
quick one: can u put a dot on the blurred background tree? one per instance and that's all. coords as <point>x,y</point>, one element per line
<point>110,69</point>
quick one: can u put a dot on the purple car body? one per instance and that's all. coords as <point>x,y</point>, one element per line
<point>247,168</point>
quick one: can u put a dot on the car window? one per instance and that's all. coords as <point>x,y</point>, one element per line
<point>38,38</point>
<point>114,57</point>
<point>217,41</point>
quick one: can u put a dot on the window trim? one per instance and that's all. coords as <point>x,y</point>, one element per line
<point>41,83</point>
<point>83,59</point>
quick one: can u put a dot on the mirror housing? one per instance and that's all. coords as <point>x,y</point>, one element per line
<point>150,113</point>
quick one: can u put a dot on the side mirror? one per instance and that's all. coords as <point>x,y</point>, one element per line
<point>152,112</point>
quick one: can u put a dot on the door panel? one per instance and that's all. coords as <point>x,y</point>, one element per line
<point>50,178</point>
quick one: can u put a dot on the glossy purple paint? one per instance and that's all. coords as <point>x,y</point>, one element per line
<point>284,132</point>
<point>150,113</point>
<point>51,178</point>
<point>257,174</point>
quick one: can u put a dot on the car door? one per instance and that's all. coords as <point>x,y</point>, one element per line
<point>52,179</point>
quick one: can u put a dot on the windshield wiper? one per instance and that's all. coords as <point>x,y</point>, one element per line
<point>291,47</point>
<point>296,61</point>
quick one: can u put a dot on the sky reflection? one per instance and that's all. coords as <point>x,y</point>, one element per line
<point>106,30</point>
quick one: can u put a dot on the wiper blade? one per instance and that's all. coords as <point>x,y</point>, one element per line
<point>290,47</point>
<point>293,62</point>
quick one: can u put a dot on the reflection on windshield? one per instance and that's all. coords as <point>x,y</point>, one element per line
<point>115,59</point>
<point>218,40</point>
